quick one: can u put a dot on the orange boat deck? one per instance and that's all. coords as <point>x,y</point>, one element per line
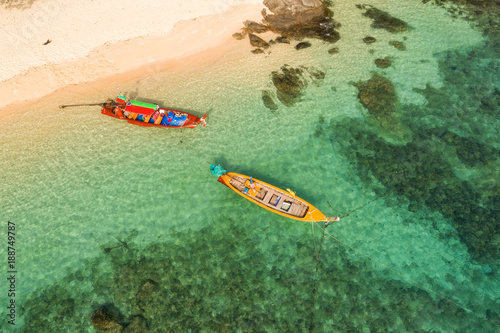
<point>272,198</point>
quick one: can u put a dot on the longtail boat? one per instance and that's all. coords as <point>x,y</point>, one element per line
<point>149,115</point>
<point>272,198</point>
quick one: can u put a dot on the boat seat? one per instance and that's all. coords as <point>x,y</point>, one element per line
<point>261,194</point>
<point>302,211</point>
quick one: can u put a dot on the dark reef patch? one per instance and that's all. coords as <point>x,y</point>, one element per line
<point>454,135</point>
<point>418,171</point>
<point>397,44</point>
<point>382,63</point>
<point>290,82</point>
<point>369,40</point>
<point>378,95</point>
<point>268,100</point>
<point>383,20</point>
<point>302,45</point>
<point>222,278</point>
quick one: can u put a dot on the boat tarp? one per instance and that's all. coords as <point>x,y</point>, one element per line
<point>144,108</point>
<point>120,99</point>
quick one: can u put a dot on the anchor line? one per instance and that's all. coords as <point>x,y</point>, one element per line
<point>316,279</point>
<point>358,208</point>
<point>196,150</point>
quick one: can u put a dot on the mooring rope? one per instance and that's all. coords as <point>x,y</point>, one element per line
<point>406,277</point>
<point>196,150</point>
<point>316,279</point>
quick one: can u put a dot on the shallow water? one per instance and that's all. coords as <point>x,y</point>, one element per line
<point>113,214</point>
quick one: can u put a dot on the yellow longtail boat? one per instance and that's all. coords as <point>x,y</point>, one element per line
<point>272,198</point>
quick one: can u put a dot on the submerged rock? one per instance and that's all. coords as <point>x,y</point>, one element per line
<point>269,101</point>
<point>382,63</point>
<point>333,50</point>
<point>283,39</point>
<point>238,36</point>
<point>257,51</point>
<point>369,40</point>
<point>301,18</point>
<point>383,20</point>
<point>317,76</point>
<point>289,84</point>
<point>397,44</point>
<point>302,45</point>
<point>105,320</point>
<point>377,95</point>
<point>257,41</point>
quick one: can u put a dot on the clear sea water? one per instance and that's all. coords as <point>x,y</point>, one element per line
<point>110,214</point>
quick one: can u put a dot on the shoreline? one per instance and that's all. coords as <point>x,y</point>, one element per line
<point>197,41</point>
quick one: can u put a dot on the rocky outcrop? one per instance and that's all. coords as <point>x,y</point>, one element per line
<point>397,44</point>
<point>382,63</point>
<point>254,27</point>
<point>283,39</point>
<point>333,50</point>
<point>302,45</point>
<point>301,18</point>
<point>257,41</point>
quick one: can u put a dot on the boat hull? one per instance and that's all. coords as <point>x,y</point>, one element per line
<point>311,215</point>
<point>191,121</point>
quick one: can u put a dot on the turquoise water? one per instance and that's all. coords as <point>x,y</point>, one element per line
<point>110,214</point>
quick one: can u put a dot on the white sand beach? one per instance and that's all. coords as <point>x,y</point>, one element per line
<point>94,40</point>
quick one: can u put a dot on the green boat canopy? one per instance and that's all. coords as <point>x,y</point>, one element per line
<point>141,108</point>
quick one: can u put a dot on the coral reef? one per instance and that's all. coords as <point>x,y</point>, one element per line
<point>229,277</point>
<point>290,83</point>
<point>257,41</point>
<point>448,136</point>
<point>106,320</point>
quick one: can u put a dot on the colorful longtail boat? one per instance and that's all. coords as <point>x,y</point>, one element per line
<point>148,114</point>
<point>272,198</point>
